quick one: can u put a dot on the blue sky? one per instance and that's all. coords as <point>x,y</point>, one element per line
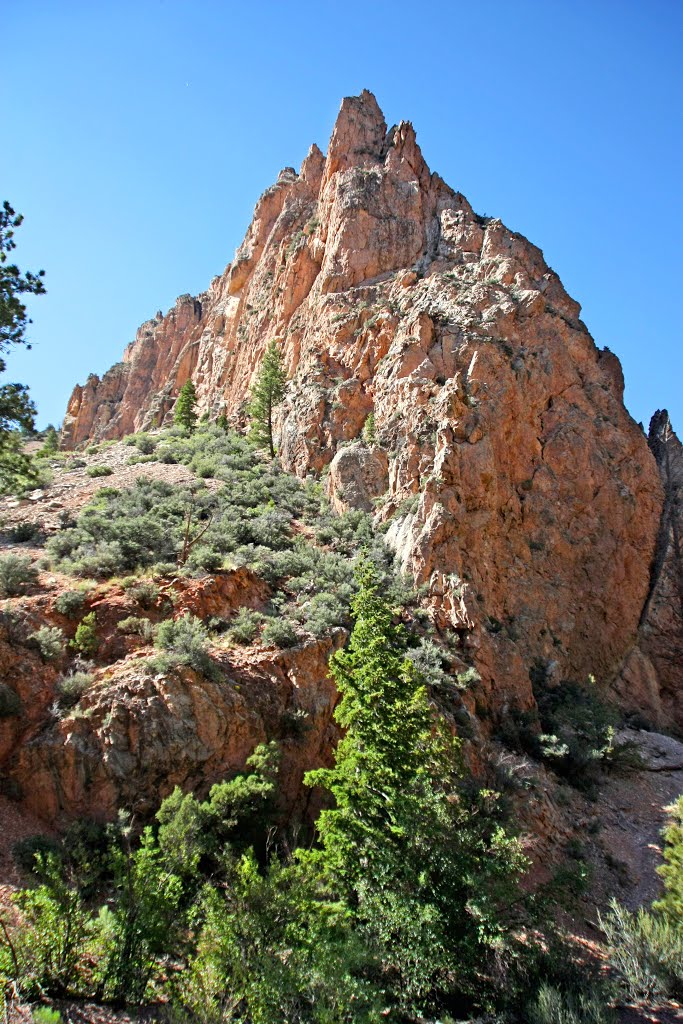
<point>138,137</point>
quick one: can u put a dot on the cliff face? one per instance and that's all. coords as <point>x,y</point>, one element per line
<point>520,491</point>
<point>653,673</point>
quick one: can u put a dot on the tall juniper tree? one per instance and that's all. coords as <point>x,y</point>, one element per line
<point>266,394</point>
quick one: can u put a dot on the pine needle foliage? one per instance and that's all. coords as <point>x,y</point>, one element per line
<point>266,394</point>
<point>185,414</point>
<point>427,871</point>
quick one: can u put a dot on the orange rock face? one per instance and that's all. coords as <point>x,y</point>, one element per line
<point>653,669</point>
<point>518,488</point>
<point>136,733</point>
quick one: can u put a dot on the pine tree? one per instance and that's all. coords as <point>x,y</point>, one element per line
<point>266,394</point>
<point>427,872</point>
<point>185,414</point>
<point>16,408</point>
<point>50,440</point>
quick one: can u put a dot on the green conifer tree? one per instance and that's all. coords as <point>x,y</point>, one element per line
<point>50,440</point>
<point>16,408</point>
<point>427,872</point>
<point>185,414</point>
<point>266,394</point>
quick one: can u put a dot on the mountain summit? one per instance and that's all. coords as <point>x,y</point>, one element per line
<point>512,481</point>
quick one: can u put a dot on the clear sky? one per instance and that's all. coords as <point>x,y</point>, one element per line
<point>137,137</point>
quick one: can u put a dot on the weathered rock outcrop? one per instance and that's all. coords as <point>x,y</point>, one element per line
<point>138,732</point>
<point>140,735</point>
<point>536,501</point>
<point>653,673</point>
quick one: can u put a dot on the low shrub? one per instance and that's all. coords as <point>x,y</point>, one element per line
<point>280,632</point>
<point>16,573</point>
<point>369,433</point>
<point>22,532</point>
<point>86,641</point>
<point>143,592</point>
<point>572,732</point>
<point>245,626</point>
<point>671,871</point>
<point>205,558</point>
<point>46,1015</point>
<point>143,442</point>
<point>159,570</point>
<point>70,689</point>
<point>323,613</point>
<point>205,468</point>
<point>96,471</point>
<point>295,722</point>
<point>186,640</point>
<point>431,663</point>
<point>552,1006</point>
<point>70,603</point>
<point>134,625</point>
<point>50,642</point>
<point>646,952</point>
<point>100,560</point>
<point>25,850</point>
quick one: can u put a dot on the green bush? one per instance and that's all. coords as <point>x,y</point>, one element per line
<point>186,640</point>
<point>47,944</point>
<point>204,468</point>
<point>430,661</point>
<point>141,923</point>
<point>22,532</point>
<point>269,946</point>
<point>16,573</point>
<point>86,641</point>
<point>323,613</point>
<point>50,642</point>
<point>671,903</point>
<point>572,732</point>
<point>245,626</point>
<point>99,560</point>
<point>144,592</point>
<point>143,442</point>
<point>205,558</point>
<point>70,603</point>
<point>96,471</point>
<point>646,952</point>
<point>552,1006</point>
<point>46,1015</point>
<point>369,433</point>
<point>134,625</point>
<point>279,632</point>
<point>25,850</point>
<point>70,689</point>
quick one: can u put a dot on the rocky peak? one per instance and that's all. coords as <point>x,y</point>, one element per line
<point>359,135</point>
<point>513,482</point>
